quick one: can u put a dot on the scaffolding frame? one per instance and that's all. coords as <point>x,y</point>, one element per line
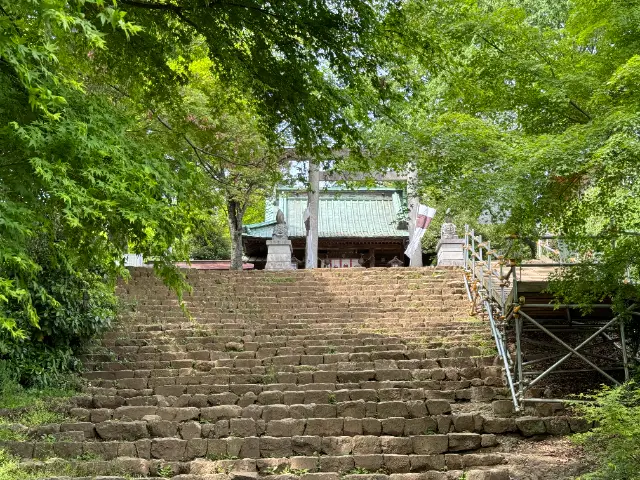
<point>491,282</point>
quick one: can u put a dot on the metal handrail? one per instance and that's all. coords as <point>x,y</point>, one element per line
<point>491,291</point>
<point>488,288</point>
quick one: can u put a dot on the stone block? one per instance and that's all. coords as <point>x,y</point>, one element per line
<point>488,440</point>
<point>163,428</point>
<point>337,445</point>
<point>216,448</point>
<point>499,425</point>
<point>285,428</point>
<point>557,426</point>
<point>190,430</point>
<point>463,422</point>
<point>397,463</point>
<point>324,427</point>
<point>304,463</point>
<point>420,463</point>
<point>353,409</point>
<point>220,412</point>
<point>371,426</point>
<point>127,449</point>
<point>250,448</point>
<point>336,464</point>
<point>393,426</point>
<point>438,407</point>
<point>133,466</point>
<point>392,409</point>
<point>417,408</point>
<point>196,448</point>
<point>275,447</point>
<point>370,463</point>
<point>169,449</point>
<point>242,427</point>
<point>430,444</point>
<point>112,430</point>
<point>529,426</point>
<point>352,426</point>
<point>306,445</point>
<point>396,445</point>
<point>501,474</point>
<point>275,412</point>
<point>419,426</point>
<point>464,441</point>
<point>320,476</point>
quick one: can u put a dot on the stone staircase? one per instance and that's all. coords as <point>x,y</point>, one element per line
<point>376,374</point>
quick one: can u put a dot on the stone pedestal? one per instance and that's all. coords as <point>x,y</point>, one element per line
<point>279,255</point>
<point>450,252</point>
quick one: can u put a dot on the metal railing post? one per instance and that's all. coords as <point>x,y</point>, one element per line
<point>466,248</point>
<point>473,252</point>
<point>519,356</point>
<point>623,345</point>
<point>490,280</point>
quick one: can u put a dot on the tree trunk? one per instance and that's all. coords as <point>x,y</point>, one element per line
<point>235,214</point>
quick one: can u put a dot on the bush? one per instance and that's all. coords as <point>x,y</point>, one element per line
<point>615,441</point>
<point>73,303</point>
<point>212,240</point>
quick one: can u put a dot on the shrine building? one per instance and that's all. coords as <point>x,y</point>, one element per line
<point>356,227</point>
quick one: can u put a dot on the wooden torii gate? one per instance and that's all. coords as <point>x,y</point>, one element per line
<point>316,176</point>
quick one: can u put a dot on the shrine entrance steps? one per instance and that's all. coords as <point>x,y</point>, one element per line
<point>376,374</point>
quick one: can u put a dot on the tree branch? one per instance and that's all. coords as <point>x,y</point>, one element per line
<point>175,9</point>
<point>491,43</point>
<point>4,12</point>
<point>577,107</point>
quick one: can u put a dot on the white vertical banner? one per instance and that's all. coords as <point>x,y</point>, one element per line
<point>425,215</point>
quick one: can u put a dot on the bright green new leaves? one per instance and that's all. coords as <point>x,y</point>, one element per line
<point>525,112</point>
<point>35,34</point>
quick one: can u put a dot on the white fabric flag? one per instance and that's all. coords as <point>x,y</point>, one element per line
<point>425,215</point>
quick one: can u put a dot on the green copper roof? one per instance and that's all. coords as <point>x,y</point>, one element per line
<point>342,213</point>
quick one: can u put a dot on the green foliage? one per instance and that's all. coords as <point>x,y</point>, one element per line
<point>523,113</point>
<point>11,469</point>
<point>15,396</point>
<point>98,105</point>
<point>32,406</point>
<point>211,241</point>
<point>615,440</point>
<point>165,471</point>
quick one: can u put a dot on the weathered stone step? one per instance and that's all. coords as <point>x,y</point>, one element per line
<point>132,444</point>
<point>179,341</point>
<point>460,390</point>
<point>255,394</point>
<point>302,366</point>
<point>186,424</point>
<point>313,317</point>
<point>215,349</point>
<point>181,336</point>
<point>498,473</point>
<point>324,467</point>
<point>164,342</point>
<point>368,329</point>
<point>332,373</point>
<point>308,311</point>
<point>391,349</point>
<point>415,418</point>
<point>305,307</point>
<point>432,389</point>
